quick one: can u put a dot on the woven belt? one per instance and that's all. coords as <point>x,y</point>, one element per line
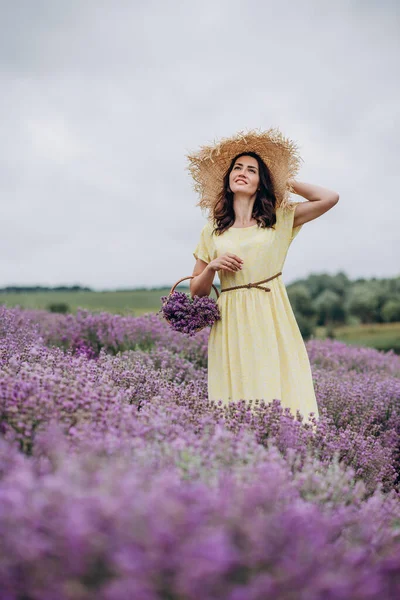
<point>253,285</point>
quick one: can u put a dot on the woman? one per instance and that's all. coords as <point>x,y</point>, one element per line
<point>256,350</point>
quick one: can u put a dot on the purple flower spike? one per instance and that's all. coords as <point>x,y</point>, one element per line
<point>187,315</point>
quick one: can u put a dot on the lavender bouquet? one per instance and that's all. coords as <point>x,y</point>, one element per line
<point>189,315</point>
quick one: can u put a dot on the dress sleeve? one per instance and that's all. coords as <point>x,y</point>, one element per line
<point>287,218</point>
<point>205,247</point>
<point>295,230</point>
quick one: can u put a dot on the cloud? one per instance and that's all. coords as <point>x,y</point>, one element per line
<point>101,102</point>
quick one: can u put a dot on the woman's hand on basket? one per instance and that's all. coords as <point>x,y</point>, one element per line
<point>226,262</point>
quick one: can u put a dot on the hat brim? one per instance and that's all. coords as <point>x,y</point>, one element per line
<point>210,163</point>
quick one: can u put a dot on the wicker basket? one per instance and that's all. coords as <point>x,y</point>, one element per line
<point>190,277</point>
<point>173,289</point>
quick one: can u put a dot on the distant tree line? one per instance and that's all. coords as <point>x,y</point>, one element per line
<point>16,289</point>
<point>332,300</point>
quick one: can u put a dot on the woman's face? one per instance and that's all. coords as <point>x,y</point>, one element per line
<point>244,176</point>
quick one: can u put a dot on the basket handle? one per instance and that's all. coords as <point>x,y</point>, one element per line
<point>189,277</point>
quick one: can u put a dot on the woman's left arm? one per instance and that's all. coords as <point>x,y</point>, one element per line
<point>320,201</point>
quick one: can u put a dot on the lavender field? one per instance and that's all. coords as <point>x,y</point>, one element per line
<point>119,480</point>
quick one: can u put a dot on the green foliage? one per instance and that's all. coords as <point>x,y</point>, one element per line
<point>303,308</point>
<point>391,311</point>
<point>364,300</point>
<point>337,300</point>
<point>301,301</point>
<point>58,307</point>
<point>329,306</point>
<point>306,325</point>
<point>338,283</point>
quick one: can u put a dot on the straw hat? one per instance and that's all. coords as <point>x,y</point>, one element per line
<point>209,164</point>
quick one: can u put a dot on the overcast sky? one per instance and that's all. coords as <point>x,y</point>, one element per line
<point>101,100</point>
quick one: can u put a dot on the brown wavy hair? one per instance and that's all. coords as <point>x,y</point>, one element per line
<point>264,206</point>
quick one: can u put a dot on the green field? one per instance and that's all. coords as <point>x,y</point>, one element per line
<point>382,336</point>
<point>137,302</point>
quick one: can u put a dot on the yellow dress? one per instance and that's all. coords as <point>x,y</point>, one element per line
<point>256,350</point>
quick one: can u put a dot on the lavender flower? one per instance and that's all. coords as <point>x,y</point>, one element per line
<point>119,478</point>
<point>187,315</point>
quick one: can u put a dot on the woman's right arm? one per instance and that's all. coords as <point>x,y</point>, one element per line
<point>204,273</point>
<point>203,277</point>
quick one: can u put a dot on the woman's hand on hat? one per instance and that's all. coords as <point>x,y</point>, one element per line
<point>290,184</point>
<point>226,262</point>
